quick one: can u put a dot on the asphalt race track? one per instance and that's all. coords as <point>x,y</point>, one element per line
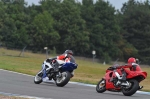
<point>22,85</point>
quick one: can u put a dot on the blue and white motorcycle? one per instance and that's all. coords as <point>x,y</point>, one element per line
<point>60,73</point>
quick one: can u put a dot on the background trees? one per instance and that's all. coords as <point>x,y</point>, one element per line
<point>80,26</point>
<point>136,27</point>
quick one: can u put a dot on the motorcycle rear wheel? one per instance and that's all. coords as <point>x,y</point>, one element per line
<point>63,79</point>
<point>100,87</point>
<point>132,89</point>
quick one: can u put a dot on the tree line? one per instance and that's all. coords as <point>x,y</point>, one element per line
<point>81,26</point>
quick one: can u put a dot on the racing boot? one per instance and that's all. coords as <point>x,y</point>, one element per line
<point>72,74</point>
<point>123,76</point>
<point>140,87</point>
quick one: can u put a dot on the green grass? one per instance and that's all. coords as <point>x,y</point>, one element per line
<point>87,71</point>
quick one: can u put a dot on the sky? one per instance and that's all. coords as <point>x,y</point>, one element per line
<point>116,3</point>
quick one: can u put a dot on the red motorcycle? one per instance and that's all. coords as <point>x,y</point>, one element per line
<point>123,79</point>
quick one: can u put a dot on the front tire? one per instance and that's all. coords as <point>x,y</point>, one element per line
<point>134,85</point>
<point>100,87</point>
<point>38,78</point>
<point>64,79</point>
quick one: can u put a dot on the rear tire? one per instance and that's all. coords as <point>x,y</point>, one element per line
<point>64,79</point>
<point>100,87</point>
<point>132,89</point>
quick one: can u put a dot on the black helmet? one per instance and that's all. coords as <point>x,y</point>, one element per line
<point>69,52</point>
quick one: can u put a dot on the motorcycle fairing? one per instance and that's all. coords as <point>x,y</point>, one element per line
<point>132,74</point>
<point>109,84</point>
<point>68,66</point>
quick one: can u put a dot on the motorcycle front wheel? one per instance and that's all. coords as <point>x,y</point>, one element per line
<point>38,78</point>
<point>63,79</point>
<point>100,87</point>
<point>134,86</point>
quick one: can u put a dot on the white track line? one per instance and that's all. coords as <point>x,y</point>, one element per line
<point>22,96</point>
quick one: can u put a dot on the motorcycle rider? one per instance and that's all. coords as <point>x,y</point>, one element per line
<point>133,66</point>
<point>67,56</point>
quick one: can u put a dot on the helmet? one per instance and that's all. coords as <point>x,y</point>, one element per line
<point>69,52</point>
<point>131,60</point>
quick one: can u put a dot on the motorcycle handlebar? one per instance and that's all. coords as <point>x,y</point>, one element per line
<point>119,67</point>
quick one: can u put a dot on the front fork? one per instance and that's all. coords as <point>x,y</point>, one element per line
<point>45,69</point>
